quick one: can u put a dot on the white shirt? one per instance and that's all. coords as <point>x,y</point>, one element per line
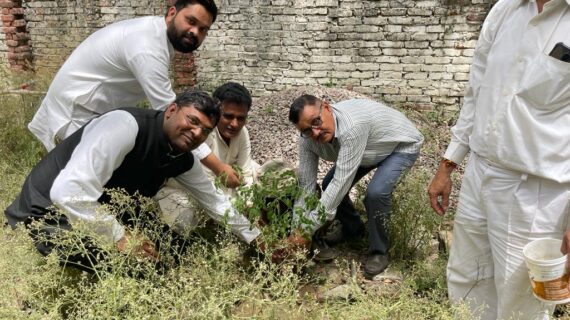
<point>517,108</point>
<point>366,132</point>
<point>237,153</point>
<point>104,144</point>
<point>117,66</point>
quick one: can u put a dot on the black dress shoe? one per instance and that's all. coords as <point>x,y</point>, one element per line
<point>321,251</point>
<point>375,264</point>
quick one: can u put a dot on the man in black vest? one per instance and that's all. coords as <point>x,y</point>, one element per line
<point>134,149</point>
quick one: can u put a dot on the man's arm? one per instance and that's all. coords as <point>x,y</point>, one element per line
<point>349,158</point>
<point>244,160</point>
<point>151,72</point>
<point>216,204</point>
<point>440,187</point>
<point>104,144</point>
<point>230,178</point>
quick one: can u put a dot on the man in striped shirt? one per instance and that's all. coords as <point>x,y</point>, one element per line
<point>358,136</point>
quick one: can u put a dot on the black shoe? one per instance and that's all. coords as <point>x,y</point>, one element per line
<point>338,235</point>
<point>321,251</point>
<point>375,264</point>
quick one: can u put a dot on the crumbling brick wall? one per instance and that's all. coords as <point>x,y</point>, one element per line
<point>15,51</point>
<point>56,27</point>
<point>405,52</point>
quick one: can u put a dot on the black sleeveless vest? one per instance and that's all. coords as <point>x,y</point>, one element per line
<point>145,168</point>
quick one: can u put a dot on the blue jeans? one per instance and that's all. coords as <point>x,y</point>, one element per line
<point>378,200</point>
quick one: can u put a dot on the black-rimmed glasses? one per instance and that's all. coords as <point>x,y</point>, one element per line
<point>316,123</point>
<point>194,123</point>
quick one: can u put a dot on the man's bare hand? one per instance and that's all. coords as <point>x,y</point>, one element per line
<point>230,177</point>
<point>295,242</point>
<point>565,248</point>
<point>440,189</point>
<point>139,246</point>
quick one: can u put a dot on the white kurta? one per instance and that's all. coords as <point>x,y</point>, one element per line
<point>104,143</point>
<point>516,188</point>
<point>117,66</point>
<point>237,153</point>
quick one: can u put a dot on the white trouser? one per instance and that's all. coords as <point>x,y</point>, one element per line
<point>499,212</point>
<point>177,209</point>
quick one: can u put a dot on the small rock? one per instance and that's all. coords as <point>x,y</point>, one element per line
<point>388,275</point>
<point>346,292</point>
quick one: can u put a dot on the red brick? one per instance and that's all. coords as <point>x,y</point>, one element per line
<point>7,17</point>
<point>19,23</point>
<point>15,56</point>
<point>22,49</point>
<point>5,10</point>
<point>22,36</point>
<point>6,4</point>
<point>17,11</point>
<point>12,43</point>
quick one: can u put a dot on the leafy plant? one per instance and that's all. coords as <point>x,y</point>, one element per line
<point>413,223</point>
<point>271,204</point>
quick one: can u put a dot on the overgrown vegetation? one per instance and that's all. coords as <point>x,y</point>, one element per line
<point>216,276</point>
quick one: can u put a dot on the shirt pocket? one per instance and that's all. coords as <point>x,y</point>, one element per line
<point>546,84</point>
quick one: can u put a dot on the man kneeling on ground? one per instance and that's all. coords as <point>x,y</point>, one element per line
<point>134,149</point>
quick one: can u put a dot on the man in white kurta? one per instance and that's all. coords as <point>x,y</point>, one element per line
<point>119,66</point>
<point>236,153</point>
<point>229,142</point>
<point>516,187</point>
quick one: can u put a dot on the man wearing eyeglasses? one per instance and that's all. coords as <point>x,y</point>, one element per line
<point>358,136</point>
<point>133,149</point>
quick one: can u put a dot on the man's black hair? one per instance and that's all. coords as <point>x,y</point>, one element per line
<point>233,92</point>
<point>202,102</point>
<point>299,104</point>
<point>209,5</point>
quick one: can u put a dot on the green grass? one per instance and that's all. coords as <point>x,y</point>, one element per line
<point>218,277</point>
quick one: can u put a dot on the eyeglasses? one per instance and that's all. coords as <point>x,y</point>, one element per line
<point>316,123</point>
<point>194,123</point>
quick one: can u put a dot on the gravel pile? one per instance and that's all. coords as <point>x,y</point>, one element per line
<point>272,135</point>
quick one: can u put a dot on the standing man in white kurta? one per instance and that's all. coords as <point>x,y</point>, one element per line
<point>516,187</point>
<point>119,66</point>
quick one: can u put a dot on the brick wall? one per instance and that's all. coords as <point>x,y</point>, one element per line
<point>56,27</point>
<point>14,40</point>
<point>405,52</point>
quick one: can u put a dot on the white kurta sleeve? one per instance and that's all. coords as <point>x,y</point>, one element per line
<point>105,142</point>
<point>244,160</point>
<point>202,151</point>
<point>151,72</point>
<point>216,204</point>
<point>460,133</point>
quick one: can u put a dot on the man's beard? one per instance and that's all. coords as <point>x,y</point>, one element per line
<point>177,40</point>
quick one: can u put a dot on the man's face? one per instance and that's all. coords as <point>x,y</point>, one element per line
<point>317,122</point>
<point>232,120</point>
<point>188,27</point>
<point>186,127</point>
